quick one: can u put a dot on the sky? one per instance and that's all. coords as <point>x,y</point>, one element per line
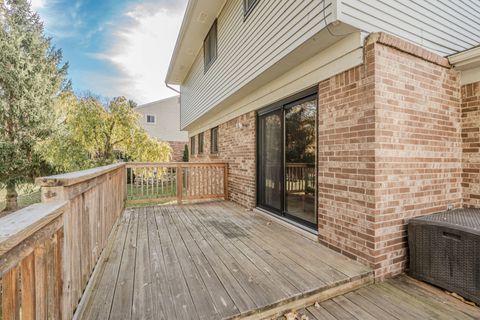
<point>115,47</point>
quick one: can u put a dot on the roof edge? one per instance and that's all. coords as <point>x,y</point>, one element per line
<point>467,59</point>
<point>197,20</point>
<point>156,101</point>
<point>181,34</point>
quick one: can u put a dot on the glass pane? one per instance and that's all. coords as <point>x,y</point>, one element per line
<point>300,146</point>
<point>270,160</point>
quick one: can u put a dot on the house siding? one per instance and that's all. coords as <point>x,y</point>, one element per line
<point>471,144</point>
<point>248,47</point>
<point>442,26</point>
<point>167,119</point>
<point>237,146</point>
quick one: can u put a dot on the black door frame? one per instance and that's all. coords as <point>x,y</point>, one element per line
<point>283,105</point>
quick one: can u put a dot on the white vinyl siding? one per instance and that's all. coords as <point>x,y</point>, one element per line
<point>442,26</point>
<point>274,29</point>
<point>246,48</point>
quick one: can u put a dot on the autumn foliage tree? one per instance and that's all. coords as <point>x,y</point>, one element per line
<point>31,75</point>
<point>90,134</point>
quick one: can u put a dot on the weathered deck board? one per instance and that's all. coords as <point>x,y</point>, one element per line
<point>102,292</point>
<point>208,261</point>
<point>399,298</point>
<point>219,261</point>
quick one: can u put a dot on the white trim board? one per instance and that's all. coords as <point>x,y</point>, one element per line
<point>470,76</point>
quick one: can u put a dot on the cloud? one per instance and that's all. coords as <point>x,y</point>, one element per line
<point>139,50</point>
<point>62,18</point>
<point>37,4</point>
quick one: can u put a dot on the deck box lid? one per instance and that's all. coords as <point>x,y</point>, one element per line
<point>465,219</point>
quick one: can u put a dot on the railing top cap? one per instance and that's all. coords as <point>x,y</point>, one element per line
<point>71,178</point>
<point>172,164</point>
<point>19,225</point>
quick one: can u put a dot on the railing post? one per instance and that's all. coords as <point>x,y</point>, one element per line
<point>179,183</point>
<point>225,181</point>
<point>125,179</point>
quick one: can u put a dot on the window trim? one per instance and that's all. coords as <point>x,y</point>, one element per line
<point>192,146</point>
<point>201,143</point>
<point>247,11</point>
<point>150,115</point>
<point>212,149</point>
<point>206,65</point>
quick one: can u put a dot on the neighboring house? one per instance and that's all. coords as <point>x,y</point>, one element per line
<point>343,117</point>
<point>161,119</point>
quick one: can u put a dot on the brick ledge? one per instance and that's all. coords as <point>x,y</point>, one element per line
<point>407,47</point>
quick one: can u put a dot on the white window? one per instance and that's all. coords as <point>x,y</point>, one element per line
<point>150,118</point>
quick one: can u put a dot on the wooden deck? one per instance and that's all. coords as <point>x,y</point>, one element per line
<point>399,298</point>
<point>211,261</point>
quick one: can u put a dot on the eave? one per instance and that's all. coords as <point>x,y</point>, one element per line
<point>468,63</point>
<point>466,59</point>
<point>199,16</point>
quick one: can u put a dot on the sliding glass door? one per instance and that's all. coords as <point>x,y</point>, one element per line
<point>286,159</point>
<point>271,159</point>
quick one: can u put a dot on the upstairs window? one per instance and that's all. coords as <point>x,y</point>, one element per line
<point>200,142</point>
<point>248,6</point>
<point>150,118</point>
<point>210,47</point>
<point>192,145</point>
<point>214,140</point>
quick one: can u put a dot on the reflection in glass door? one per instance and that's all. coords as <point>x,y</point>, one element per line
<point>300,146</point>
<point>286,182</point>
<point>270,160</point>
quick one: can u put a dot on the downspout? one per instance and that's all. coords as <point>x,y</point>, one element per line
<point>171,88</point>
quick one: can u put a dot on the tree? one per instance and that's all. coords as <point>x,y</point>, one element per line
<point>132,104</point>
<point>31,75</point>
<point>185,153</point>
<point>90,134</point>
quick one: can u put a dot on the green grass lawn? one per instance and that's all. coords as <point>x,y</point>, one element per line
<point>138,193</point>
<point>27,194</point>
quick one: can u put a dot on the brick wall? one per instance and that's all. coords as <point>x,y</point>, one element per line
<point>389,150</point>
<point>471,144</point>
<point>237,146</point>
<point>177,150</point>
<point>418,145</point>
<point>346,160</point>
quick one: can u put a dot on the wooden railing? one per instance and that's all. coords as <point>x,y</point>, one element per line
<point>300,177</point>
<point>163,182</point>
<point>48,250</point>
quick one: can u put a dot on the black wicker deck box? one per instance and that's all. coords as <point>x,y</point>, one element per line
<point>445,251</point>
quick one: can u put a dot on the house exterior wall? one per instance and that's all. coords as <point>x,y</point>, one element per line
<point>251,48</point>
<point>237,146</point>
<point>441,26</point>
<point>177,150</point>
<point>248,46</point>
<point>167,119</point>
<point>346,161</point>
<point>390,150</point>
<point>418,144</point>
<point>471,144</point>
